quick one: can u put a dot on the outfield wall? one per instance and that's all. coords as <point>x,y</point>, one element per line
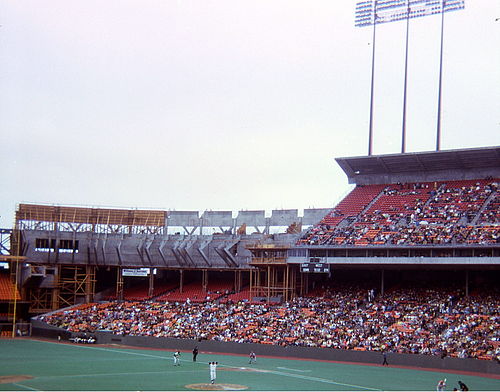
<point>41,329</point>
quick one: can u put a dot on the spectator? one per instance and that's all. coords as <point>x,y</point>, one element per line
<point>419,321</point>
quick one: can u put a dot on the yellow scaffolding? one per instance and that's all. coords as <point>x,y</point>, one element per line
<point>272,276</point>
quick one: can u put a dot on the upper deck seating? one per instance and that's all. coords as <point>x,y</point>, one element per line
<point>349,207</point>
<point>413,214</point>
<point>491,213</point>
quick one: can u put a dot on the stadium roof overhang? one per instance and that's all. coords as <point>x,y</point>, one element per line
<point>423,166</point>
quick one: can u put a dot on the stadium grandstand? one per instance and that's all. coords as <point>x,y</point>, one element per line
<point>408,261</point>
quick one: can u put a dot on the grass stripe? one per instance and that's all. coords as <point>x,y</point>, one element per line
<point>109,374</point>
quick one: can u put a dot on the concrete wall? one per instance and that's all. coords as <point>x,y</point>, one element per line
<point>251,218</point>
<point>41,329</point>
<point>145,250</point>
<point>182,218</point>
<point>217,219</point>
<point>314,215</point>
<point>284,217</point>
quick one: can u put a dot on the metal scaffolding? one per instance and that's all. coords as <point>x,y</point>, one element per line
<point>73,285</point>
<point>272,278</point>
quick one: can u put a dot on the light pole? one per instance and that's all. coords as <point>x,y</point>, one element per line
<point>373,12</point>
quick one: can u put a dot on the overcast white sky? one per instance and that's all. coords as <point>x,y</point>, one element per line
<point>225,104</point>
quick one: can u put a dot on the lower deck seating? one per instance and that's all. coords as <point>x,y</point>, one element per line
<point>8,292</point>
<point>432,321</point>
<point>243,295</point>
<point>140,291</point>
<point>194,292</point>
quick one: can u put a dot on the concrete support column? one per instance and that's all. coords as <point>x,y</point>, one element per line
<point>89,283</point>
<point>204,280</point>
<point>151,283</point>
<point>119,284</point>
<point>287,283</point>
<point>467,283</point>
<point>237,281</point>
<point>382,283</point>
<point>268,283</point>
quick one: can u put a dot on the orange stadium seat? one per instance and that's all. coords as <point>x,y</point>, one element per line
<point>8,292</point>
<point>412,213</point>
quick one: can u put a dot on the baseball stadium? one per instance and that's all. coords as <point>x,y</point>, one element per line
<point>393,288</point>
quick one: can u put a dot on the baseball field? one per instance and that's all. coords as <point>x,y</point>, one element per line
<point>36,365</point>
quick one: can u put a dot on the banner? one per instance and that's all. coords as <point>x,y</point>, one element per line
<point>135,272</point>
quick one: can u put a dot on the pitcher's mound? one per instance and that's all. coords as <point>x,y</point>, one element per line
<point>11,379</point>
<point>217,387</point>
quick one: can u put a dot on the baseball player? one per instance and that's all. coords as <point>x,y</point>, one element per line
<point>177,355</point>
<point>441,385</point>
<point>213,371</point>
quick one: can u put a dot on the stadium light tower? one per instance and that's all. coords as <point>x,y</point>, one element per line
<point>374,12</point>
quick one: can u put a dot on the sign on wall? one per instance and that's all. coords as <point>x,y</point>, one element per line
<point>135,272</point>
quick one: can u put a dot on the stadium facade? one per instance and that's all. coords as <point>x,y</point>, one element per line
<point>405,213</point>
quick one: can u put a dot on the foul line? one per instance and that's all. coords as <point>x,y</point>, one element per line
<point>24,386</point>
<point>300,376</point>
<point>310,378</point>
<point>294,370</point>
<point>324,380</point>
<point>121,351</point>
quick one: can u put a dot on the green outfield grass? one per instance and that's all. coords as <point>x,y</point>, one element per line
<point>60,366</point>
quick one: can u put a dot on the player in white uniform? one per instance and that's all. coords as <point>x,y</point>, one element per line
<point>441,385</point>
<point>177,355</point>
<point>213,371</point>
<point>253,358</point>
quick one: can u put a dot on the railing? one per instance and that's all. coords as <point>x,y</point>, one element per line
<point>268,260</point>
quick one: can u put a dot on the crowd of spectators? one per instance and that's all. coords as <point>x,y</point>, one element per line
<point>449,203</point>
<point>423,234</point>
<point>491,214</point>
<point>417,214</point>
<point>420,321</point>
